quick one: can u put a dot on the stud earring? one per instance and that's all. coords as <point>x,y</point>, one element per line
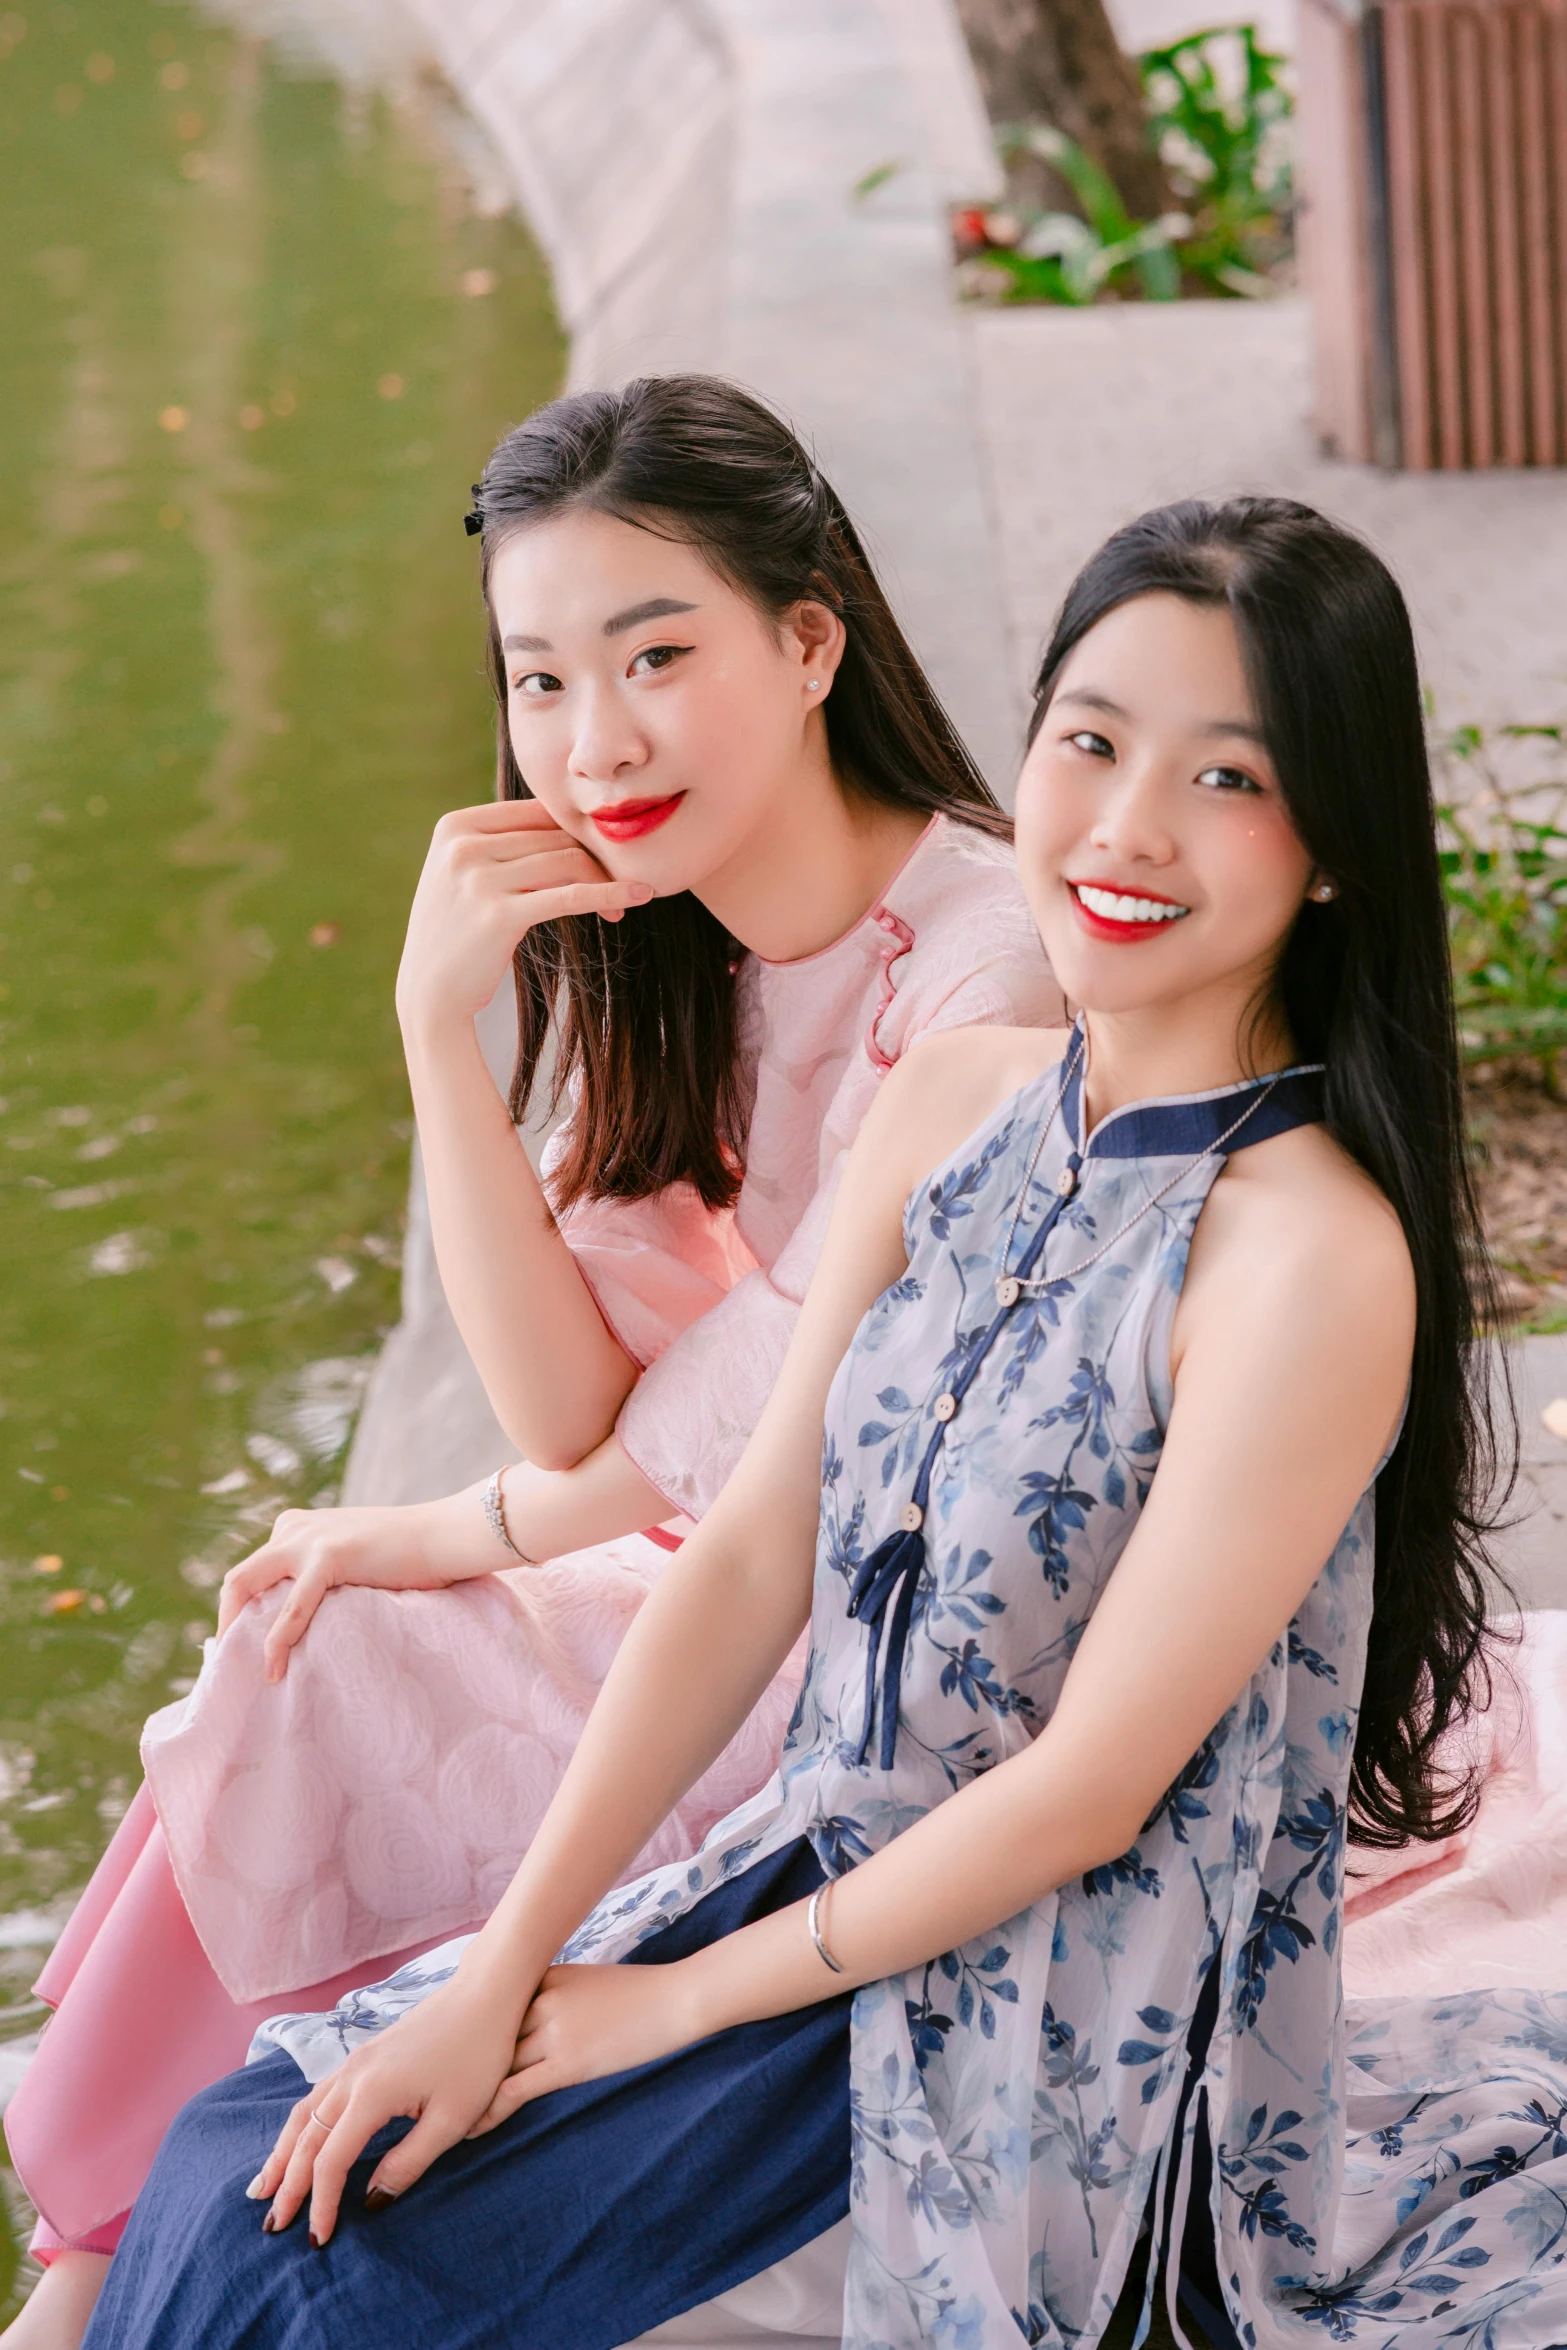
<point>1325,892</point>
<point>814,684</point>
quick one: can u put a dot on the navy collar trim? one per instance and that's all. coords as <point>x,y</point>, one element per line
<point>1188,1125</point>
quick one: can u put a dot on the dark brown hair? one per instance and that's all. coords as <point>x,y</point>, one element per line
<point>1366,986</point>
<point>645,1007</point>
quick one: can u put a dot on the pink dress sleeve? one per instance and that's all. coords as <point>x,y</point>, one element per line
<point>690,1415</point>
<point>655,1265</point>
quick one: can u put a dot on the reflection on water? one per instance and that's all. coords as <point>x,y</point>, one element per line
<point>257,339</point>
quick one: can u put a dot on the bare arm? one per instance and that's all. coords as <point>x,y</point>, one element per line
<point>430,1545</point>
<point>553,1369</point>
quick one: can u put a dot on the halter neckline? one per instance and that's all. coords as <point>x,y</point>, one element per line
<point>1183,1125</point>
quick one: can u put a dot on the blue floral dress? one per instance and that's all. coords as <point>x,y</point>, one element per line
<point>1393,2174</point>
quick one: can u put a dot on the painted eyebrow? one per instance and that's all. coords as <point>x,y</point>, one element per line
<point>656,608</point>
<point>1241,727</point>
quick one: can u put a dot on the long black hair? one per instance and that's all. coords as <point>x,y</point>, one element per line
<point>1365,984</point>
<point>645,1008</point>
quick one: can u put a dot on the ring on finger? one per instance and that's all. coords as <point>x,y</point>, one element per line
<point>316,2118</point>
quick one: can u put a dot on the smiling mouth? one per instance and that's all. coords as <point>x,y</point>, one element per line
<point>628,819</point>
<point>1123,914</point>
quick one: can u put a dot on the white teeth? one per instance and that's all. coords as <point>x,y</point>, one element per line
<point>1111,906</point>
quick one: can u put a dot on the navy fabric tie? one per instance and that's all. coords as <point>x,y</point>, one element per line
<point>886,1584</point>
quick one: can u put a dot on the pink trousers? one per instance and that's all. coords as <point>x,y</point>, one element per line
<point>143,2024</point>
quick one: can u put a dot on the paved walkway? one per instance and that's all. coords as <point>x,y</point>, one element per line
<point>1089,416</point>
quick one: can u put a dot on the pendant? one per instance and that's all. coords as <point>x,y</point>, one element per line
<point>1008,1290</point>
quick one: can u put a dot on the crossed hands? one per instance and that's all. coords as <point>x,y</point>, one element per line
<point>458,2066</point>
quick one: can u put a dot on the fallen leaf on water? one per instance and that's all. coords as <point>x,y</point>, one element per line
<point>65,1603</point>
<point>326,934</point>
<point>48,1564</point>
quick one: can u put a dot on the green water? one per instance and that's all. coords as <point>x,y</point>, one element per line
<point>239,677</point>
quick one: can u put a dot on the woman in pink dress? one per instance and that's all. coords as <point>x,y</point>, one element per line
<point>739,862</point>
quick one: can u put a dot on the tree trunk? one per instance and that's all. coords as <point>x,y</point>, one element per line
<point>1059,62</point>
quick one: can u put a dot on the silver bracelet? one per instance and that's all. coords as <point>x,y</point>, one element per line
<point>813,1914</point>
<point>495,1512</point>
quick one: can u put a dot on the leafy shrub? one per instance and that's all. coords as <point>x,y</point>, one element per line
<point>1504,874</point>
<point>1218,109</point>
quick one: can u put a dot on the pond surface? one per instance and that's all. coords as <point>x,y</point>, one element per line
<point>257,341</point>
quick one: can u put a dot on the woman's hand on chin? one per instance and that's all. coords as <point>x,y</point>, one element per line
<point>424,1546</point>
<point>587,2021</point>
<point>441,2064</point>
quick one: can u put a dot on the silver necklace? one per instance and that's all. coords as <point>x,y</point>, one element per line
<point>1009,1287</point>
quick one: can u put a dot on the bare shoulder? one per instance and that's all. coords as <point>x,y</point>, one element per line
<point>1296,1228</point>
<point>947,1085</point>
<point>944,1088</point>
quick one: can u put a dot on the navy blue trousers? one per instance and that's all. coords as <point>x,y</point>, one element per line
<point>584,2220</point>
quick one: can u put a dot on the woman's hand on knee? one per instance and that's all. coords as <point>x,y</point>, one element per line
<point>588,2021</point>
<point>439,2066</point>
<point>422,1547</point>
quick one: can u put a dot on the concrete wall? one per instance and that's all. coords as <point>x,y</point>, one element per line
<point>690,168</point>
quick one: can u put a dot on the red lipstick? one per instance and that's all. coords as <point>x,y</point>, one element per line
<point>1117,932</point>
<point>629,819</point>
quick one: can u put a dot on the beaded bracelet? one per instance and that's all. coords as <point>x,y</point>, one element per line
<point>494,1510</point>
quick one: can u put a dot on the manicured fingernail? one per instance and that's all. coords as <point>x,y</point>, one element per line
<point>315,2241</point>
<point>269,2224</point>
<point>255,2190</point>
<point>379,2197</point>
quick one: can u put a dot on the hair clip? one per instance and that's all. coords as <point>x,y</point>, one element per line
<point>473,521</point>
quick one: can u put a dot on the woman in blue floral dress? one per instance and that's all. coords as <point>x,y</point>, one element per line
<point>1033,1942</point>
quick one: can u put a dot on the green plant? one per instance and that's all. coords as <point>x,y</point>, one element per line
<point>1218,107</point>
<point>1504,875</point>
<point>1058,257</point>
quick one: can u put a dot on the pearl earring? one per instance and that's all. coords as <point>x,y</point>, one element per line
<point>1325,892</point>
<point>815,684</point>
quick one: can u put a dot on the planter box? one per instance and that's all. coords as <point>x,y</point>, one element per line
<point>1433,164</point>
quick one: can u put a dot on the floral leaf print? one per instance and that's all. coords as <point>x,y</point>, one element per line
<point>1059,1509</point>
<point>1130,1870</point>
<point>1318,1831</point>
<point>934,2193</point>
<point>1180,1804</point>
<point>953,1195</point>
<point>1277,1931</point>
<point>1069,2065</point>
<point>1311,1658</point>
<point>928,2024</point>
<point>1166,2051</point>
<point>1035,1318</point>
<point>1264,2211</point>
<point>1506,2162</point>
<point>839,1844</point>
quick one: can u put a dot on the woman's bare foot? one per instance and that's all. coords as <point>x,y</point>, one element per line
<point>55,2314</point>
